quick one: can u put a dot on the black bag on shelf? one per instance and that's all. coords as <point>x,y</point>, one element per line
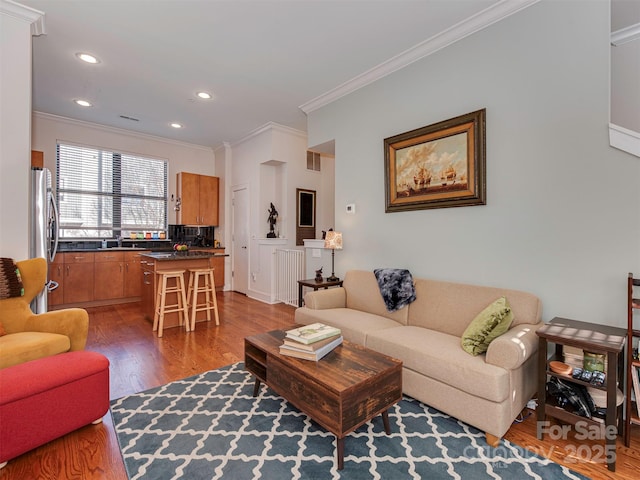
<point>568,393</point>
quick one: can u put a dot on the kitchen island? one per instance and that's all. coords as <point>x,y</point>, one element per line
<point>155,262</point>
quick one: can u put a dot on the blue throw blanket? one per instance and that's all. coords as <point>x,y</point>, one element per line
<point>396,287</point>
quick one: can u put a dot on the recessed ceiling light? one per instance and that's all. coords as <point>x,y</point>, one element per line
<point>83,103</point>
<point>204,95</point>
<point>87,57</point>
<point>176,125</point>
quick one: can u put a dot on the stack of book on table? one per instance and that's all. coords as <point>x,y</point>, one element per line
<point>311,342</point>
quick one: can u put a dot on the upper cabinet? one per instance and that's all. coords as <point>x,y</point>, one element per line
<point>199,199</point>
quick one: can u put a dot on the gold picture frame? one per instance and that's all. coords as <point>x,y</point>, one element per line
<point>437,166</point>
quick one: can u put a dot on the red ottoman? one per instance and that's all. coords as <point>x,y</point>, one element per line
<point>44,399</point>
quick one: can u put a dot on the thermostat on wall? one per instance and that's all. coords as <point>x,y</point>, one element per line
<point>351,208</point>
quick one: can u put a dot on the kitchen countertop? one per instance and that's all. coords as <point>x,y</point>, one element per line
<point>169,256</point>
<point>131,249</point>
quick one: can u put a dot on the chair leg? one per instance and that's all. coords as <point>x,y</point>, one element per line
<point>194,298</point>
<point>156,313</point>
<point>163,300</point>
<point>183,302</point>
<point>215,299</point>
<point>207,296</point>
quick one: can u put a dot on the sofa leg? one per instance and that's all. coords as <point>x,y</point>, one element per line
<point>96,422</point>
<point>492,440</point>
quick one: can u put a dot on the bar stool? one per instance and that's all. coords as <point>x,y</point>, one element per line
<point>180,306</point>
<point>209,290</point>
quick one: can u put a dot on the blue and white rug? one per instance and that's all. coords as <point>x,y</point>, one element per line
<point>209,426</point>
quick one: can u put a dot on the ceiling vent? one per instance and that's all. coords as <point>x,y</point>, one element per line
<point>129,118</point>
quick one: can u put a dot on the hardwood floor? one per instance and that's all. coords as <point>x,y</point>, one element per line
<point>140,360</point>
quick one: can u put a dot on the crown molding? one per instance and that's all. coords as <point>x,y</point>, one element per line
<point>624,35</point>
<point>270,126</point>
<point>624,139</point>
<point>119,131</point>
<point>24,13</point>
<point>457,32</point>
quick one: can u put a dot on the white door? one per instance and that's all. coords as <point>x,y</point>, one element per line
<point>240,240</point>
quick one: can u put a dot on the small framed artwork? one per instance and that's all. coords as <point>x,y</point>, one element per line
<point>305,215</point>
<point>437,166</point>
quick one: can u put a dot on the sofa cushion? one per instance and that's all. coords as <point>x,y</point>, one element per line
<point>440,356</point>
<point>364,294</point>
<point>488,325</point>
<point>354,324</point>
<point>449,307</point>
<point>22,347</point>
<point>396,287</point>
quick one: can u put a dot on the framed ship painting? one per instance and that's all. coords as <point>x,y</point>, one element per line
<point>437,166</point>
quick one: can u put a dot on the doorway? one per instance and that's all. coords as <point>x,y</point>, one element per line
<point>240,239</point>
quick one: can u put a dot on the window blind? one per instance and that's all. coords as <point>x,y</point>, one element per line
<point>103,194</point>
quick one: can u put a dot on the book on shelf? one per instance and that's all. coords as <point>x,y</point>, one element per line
<point>315,332</point>
<point>635,377</point>
<point>306,354</point>
<point>311,347</point>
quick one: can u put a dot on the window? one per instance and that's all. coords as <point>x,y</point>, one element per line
<point>103,194</point>
<point>313,161</point>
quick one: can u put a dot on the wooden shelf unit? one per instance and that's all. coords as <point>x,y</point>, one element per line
<point>633,307</point>
<point>603,339</point>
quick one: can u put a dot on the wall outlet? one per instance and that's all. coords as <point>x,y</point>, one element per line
<point>351,208</point>
<point>532,404</point>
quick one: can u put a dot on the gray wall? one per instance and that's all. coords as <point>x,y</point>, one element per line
<point>562,218</point>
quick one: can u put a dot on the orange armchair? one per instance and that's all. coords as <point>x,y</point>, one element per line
<point>30,336</point>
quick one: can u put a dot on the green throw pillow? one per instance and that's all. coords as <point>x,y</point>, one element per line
<point>488,325</point>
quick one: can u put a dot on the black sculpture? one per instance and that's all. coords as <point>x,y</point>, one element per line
<point>273,217</point>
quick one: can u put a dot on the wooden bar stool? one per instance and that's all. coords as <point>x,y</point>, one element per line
<point>181,305</point>
<point>209,290</point>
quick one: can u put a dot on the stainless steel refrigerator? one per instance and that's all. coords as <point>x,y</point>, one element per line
<point>44,228</point>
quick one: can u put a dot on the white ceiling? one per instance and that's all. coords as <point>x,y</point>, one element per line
<point>260,59</point>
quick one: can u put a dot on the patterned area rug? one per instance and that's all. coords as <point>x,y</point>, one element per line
<point>209,426</point>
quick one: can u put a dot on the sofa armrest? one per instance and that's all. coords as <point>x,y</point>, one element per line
<point>514,347</point>
<point>328,298</point>
<point>72,322</point>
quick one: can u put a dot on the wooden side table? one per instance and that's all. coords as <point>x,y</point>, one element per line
<point>312,283</point>
<point>592,338</point>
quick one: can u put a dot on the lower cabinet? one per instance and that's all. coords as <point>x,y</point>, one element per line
<point>132,273</point>
<point>95,278</point>
<point>147,287</point>
<point>56,274</point>
<point>78,277</point>
<point>108,276</point>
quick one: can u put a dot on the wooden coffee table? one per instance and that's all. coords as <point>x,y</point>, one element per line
<point>344,390</point>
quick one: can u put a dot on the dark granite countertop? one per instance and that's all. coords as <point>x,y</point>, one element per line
<point>169,256</point>
<point>133,249</point>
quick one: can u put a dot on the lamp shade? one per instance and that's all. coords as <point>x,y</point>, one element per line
<point>333,240</point>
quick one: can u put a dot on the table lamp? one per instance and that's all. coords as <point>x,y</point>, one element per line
<point>333,240</point>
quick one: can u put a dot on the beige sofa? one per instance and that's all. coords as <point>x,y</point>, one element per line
<point>487,391</point>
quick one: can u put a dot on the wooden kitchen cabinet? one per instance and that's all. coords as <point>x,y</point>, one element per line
<point>56,274</point>
<point>147,286</point>
<point>218,273</point>
<point>218,265</point>
<point>78,277</point>
<point>199,199</point>
<point>132,274</point>
<point>108,275</point>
